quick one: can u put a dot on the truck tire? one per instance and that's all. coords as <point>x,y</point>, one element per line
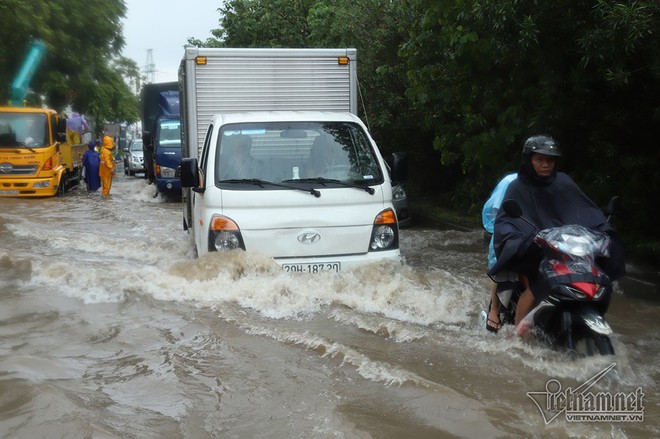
<point>61,188</point>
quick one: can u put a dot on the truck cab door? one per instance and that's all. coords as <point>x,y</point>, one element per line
<point>199,228</point>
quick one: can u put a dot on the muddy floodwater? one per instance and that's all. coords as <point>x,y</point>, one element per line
<point>110,328</point>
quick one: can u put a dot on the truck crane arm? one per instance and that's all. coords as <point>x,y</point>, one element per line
<point>19,87</point>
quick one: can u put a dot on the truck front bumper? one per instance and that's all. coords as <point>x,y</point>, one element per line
<point>33,187</point>
<point>168,184</point>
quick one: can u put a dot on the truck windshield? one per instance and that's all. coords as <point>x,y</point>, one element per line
<point>170,133</point>
<point>290,151</point>
<point>23,130</point>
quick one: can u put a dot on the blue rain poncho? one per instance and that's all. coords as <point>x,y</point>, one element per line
<point>91,161</point>
<point>489,212</point>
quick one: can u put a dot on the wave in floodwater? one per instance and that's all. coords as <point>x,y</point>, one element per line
<point>413,325</point>
<point>396,301</point>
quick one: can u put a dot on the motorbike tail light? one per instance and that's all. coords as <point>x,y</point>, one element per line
<point>587,288</point>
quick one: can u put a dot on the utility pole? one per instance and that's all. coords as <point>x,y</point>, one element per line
<point>150,68</point>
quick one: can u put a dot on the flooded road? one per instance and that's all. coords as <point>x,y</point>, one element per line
<point>110,328</point>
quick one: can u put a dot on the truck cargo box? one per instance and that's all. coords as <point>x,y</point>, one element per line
<point>228,80</point>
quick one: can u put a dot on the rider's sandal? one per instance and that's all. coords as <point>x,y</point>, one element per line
<point>497,324</point>
<point>494,329</point>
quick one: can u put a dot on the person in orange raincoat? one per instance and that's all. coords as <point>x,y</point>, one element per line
<point>107,166</point>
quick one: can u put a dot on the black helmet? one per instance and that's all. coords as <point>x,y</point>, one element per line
<point>542,144</point>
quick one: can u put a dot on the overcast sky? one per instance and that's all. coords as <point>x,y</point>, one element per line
<point>164,27</point>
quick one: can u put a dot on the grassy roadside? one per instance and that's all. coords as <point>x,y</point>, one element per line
<point>430,214</point>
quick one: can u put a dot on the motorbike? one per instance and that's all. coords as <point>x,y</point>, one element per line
<point>572,316</point>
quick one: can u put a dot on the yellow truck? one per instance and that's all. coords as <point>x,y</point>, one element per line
<point>35,160</point>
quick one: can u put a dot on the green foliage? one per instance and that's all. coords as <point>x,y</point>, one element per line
<point>84,41</point>
<point>253,23</point>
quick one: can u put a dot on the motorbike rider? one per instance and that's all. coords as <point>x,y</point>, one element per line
<point>548,199</point>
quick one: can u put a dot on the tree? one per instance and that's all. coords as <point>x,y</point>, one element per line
<point>254,23</point>
<point>83,41</point>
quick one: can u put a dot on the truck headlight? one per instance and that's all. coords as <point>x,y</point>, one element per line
<point>41,184</point>
<point>385,233</point>
<point>167,172</point>
<point>224,234</point>
<point>226,241</point>
<point>383,237</point>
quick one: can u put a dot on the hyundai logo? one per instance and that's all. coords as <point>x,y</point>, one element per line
<point>309,238</point>
<point>6,168</point>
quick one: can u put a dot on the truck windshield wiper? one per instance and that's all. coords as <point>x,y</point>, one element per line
<point>261,183</point>
<point>19,147</point>
<point>323,181</point>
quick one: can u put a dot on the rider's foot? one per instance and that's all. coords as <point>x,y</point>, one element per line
<point>493,323</point>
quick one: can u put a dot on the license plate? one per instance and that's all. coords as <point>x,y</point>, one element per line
<point>8,192</point>
<point>312,268</point>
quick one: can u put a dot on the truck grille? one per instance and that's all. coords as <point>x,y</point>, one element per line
<point>9,169</point>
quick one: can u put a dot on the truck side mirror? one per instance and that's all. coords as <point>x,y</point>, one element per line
<point>61,130</point>
<point>399,167</point>
<point>189,173</point>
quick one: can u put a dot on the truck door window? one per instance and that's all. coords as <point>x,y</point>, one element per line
<point>205,148</point>
<point>53,130</point>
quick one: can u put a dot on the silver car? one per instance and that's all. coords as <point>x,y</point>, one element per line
<point>133,158</point>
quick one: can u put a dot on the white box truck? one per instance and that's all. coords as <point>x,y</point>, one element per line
<point>274,159</point>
